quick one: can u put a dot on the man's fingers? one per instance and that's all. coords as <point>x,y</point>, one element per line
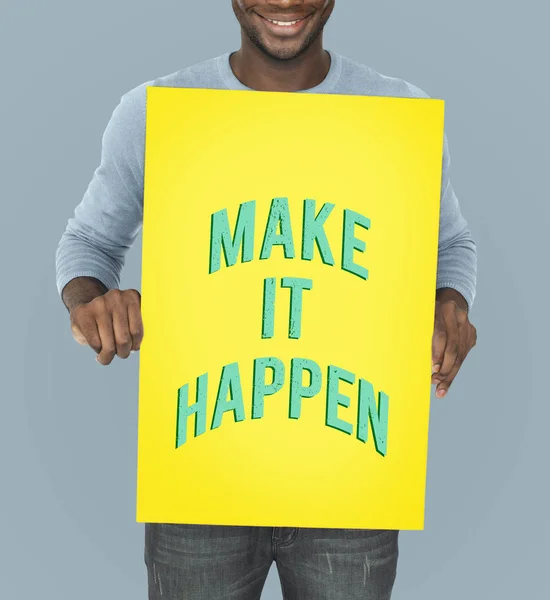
<point>443,386</point>
<point>116,306</point>
<point>450,361</point>
<point>121,329</point>
<point>107,336</point>
<point>465,340</point>
<point>135,325</point>
<point>472,336</point>
<point>84,328</point>
<point>110,324</point>
<point>454,336</point>
<point>117,303</point>
<point>452,346</point>
<point>439,341</point>
<point>466,344</point>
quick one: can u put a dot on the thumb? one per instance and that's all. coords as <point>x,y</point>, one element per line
<point>78,335</point>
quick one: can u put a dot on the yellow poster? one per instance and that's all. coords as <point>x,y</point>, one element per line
<point>288,293</point>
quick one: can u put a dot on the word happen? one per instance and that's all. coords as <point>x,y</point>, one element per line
<point>230,398</point>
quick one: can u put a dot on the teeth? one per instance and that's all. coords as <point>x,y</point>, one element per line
<point>284,23</point>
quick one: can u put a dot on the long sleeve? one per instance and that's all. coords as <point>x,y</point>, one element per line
<point>108,219</point>
<point>457,257</point>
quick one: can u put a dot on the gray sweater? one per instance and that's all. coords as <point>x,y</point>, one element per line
<point>108,219</point>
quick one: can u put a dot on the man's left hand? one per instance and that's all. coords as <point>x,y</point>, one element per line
<point>454,336</point>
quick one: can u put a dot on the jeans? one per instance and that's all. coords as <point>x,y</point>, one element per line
<point>215,562</point>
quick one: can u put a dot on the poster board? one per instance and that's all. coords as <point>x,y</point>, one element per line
<point>288,293</point>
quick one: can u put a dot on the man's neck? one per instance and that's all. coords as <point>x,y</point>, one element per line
<point>260,72</point>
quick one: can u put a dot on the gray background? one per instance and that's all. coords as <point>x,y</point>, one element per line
<point>68,425</point>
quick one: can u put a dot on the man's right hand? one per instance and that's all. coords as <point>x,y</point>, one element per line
<point>110,324</point>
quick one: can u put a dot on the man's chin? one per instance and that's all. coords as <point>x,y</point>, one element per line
<point>281,52</point>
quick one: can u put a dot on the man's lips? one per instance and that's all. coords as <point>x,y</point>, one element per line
<point>285,25</point>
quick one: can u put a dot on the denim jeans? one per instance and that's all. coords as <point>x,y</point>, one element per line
<point>215,562</point>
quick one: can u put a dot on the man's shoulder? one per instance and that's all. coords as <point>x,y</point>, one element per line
<point>126,127</point>
<point>204,74</point>
<point>361,79</point>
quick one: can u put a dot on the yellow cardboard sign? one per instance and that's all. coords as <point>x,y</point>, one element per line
<point>288,293</point>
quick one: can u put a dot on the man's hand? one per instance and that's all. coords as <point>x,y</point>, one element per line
<point>110,324</point>
<point>454,336</point>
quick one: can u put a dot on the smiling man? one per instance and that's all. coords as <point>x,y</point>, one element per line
<point>281,50</point>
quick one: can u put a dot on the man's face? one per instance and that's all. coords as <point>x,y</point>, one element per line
<point>289,39</point>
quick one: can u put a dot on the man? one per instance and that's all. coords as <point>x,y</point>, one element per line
<point>281,50</point>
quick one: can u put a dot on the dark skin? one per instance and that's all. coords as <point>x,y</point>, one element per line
<point>272,57</point>
<point>281,61</point>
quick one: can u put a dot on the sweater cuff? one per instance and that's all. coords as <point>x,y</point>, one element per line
<point>107,280</point>
<point>469,295</point>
